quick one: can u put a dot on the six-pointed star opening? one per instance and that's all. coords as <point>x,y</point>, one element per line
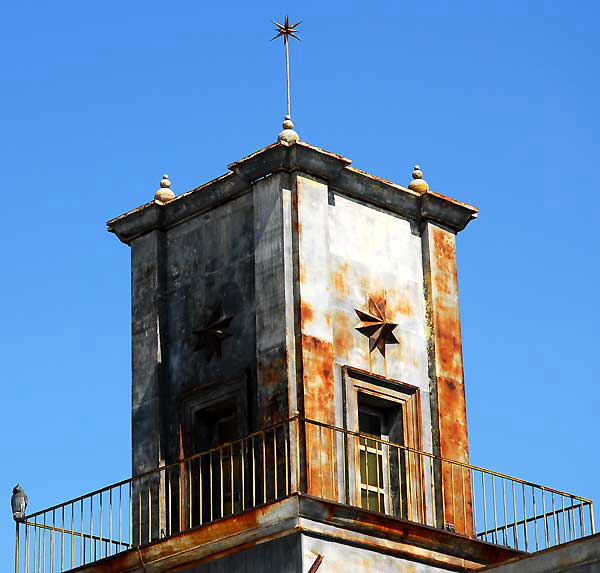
<point>375,326</point>
<point>212,335</point>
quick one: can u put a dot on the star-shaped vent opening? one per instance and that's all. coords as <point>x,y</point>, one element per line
<point>376,326</point>
<point>211,336</point>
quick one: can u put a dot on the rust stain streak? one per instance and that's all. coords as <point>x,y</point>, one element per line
<point>316,564</point>
<point>449,377</point>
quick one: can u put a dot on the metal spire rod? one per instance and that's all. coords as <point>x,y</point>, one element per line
<point>286,30</point>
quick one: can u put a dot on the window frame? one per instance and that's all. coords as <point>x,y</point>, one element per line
<point>358,386</point>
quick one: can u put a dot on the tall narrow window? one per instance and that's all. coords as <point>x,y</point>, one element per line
<point>384,414</point>
<point>372,460</point>
<point>213,419</point>
<point>377,421</point>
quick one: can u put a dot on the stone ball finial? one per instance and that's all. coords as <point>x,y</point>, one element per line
<point>164,193</point>
<point>288,136</point>
<point>418,183</point>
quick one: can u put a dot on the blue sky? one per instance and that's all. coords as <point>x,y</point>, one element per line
<point>497,101</point>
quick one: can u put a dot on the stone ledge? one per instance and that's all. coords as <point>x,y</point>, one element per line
<point>300,157</point>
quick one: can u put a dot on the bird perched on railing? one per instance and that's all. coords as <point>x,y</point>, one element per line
<point>18,502</point>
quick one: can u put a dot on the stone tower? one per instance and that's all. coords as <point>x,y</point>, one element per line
<point>296,287</point>
<point>298,398</point>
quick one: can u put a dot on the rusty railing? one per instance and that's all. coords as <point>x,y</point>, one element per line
<point>299,455</point>
<point>369,472</point>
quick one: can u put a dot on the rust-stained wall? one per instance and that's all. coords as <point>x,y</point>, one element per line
<point>315,330</point>
<point>446,370</point>
<point>378,254</point>
<point>292,256</point>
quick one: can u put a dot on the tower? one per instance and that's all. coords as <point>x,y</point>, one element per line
<point>298,293</point>
<point>298,398</point>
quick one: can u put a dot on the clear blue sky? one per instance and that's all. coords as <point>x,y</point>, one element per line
<point>496,100</point>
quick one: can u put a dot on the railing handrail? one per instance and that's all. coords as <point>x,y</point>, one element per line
<point>442,459</point>
<point>310,421</point>
<point>166,467</point>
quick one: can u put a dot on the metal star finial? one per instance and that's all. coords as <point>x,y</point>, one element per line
<point>286,30</point>
<point>212,335</point>
<point>376,326</point>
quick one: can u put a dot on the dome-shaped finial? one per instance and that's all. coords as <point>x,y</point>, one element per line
<point>418,183</point>
<point>288,136</point>
<point>164,194</point>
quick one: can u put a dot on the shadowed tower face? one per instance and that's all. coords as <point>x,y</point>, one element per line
<point>296,285</point>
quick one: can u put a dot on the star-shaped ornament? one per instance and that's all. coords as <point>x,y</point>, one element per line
<point>212,335</point>
<point>376,327</point>
<point>285,29</point>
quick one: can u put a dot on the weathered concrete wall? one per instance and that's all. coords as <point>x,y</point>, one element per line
<point>342,558</point>
<point>148,328</point>
<point>274,268</point>
<point>448,405</point>
<point>291,258</point>
<point>281,555</point>
<point>378,254</point>
<point>581,556</point>
<point>179,278</point>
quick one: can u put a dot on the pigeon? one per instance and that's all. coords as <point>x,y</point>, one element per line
<point>18,501</point>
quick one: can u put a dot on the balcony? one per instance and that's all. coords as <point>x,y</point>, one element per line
<point>300,456</point>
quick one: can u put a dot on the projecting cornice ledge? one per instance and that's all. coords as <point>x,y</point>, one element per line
<point>302,158</point>
<point>448,212</point>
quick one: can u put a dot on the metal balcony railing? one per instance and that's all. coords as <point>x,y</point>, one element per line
<point>299,455</point>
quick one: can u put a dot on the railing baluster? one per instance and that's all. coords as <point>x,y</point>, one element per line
<point>42,561</point>
<point>495,513</point>
<point>556,531</point>
<point>525,518</point>
<point>432,488</point>
<point>51,536</point>
<point>39,549</point>
<point>139,532</point>
<point>564,516</point>
<point>264,468</point>
<point>535,520</point>
<point>130,533</point>
<point>149,510</point>
<point>221,481</point>
<point>453,494</point>
<point>26,548</point>
<point>200,493</point>
<point>286,461</point>
<point>62,540</point>
<point>275,476</point>
<point>485,527</point>
<point>210,484</point>
<point>81,540</point>
<point>110,520</point>
<point>35,549</point>
<point>188,472</point>
<point>463,498</point>
<point>505,527</point>
<point>515,527</point>
<point>334,468</point>
<point>389,509</point>
<point>243,462</point>
<point>400,492</point>
<point>101,525</point>
<point>120,518</point>
<point>377,476</point>
<point>231,462</point>
<point>546,533</point>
